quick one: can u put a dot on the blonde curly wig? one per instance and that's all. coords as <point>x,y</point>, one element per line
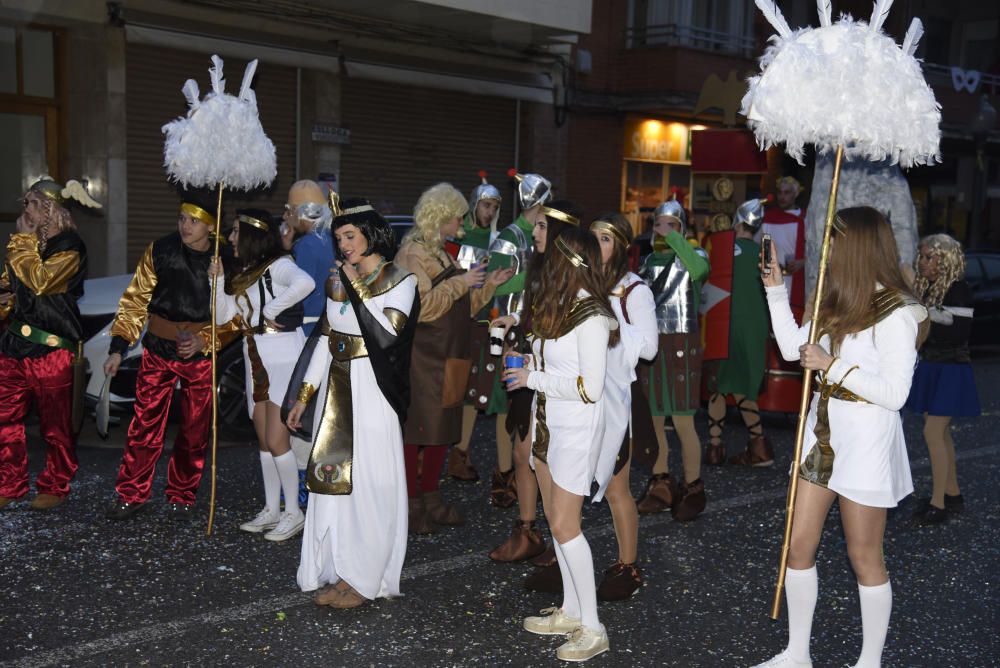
<point>951,267</point>
<point>437,205</point>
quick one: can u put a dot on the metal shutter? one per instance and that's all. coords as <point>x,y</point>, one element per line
<point>154,77</point>
<point>405,139</point>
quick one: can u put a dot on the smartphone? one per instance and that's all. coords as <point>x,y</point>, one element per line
<point>766,241</point>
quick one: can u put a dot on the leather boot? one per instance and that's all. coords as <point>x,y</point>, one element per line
<point>47,501</point>
<point>659,495</point>
<point>546,558</point>
<point>525,542</point>
<point>441,512</point>
<point>546,579</point>
<point>690,501</point>
<point>620,581</point>
<point>503,490</point>
<point>715,454</point>
<point>758,454</point>
<point>420,521</point>
<point>460,467</point>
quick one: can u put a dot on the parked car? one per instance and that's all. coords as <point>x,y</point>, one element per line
<point>982,271</point>
<point>400,226</point>
<point>97,310</point>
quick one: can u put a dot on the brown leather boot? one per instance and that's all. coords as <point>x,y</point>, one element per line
<point>659,495</point>
<point>47,501</point>
<point>525,542</point>
<point>620,581</point>
<point>420,521</point>
<point>758,454</point>
<point>460,467</point>
<point>546,558</point>
<point>546,579</point>
<point>503,490</point>
<point>715,454</point>
<point>690,501</point>
<point>440,512</point>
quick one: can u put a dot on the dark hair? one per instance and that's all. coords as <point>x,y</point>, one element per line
<point>617,265</point>
<point>256,246</point>
<point>376,231</point>
<point>202,198</point>
<point>537,261</point>
<point>561,280</point>
<point>863,253</point>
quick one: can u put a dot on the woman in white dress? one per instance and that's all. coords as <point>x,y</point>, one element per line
<point>854,450</point>
<point>632,301</point>
<point>356,520</point>
<point>572,328</point>
<point>265,299</point>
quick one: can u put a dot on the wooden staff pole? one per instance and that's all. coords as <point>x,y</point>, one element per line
<point>800,431</point>
<point>214,345</point>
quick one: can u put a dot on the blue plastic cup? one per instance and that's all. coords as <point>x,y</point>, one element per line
<point>513,362</point>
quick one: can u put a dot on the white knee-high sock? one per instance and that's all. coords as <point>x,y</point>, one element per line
<point>571,604</point>
<point>577,554</point>
<point>272,483</point>
<point>876,606</point>
<point>288,471</point>
<point>801,590</point>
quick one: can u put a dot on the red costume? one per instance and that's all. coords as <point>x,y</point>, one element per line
<point>170,293</point>
<point>42,281</point>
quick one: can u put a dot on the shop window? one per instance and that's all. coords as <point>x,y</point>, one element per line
<point>29,110</point>
<point>711,25</point>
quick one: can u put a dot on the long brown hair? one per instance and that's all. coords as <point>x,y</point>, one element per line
<point>863,253</point>
<point>617,265</point>
<point>560,280</point>
<point>554,227</point>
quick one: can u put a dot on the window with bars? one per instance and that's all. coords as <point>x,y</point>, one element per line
<point>724,26</point>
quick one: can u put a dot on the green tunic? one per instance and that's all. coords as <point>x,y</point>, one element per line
<point>672,382</point>
<point>743,371</point>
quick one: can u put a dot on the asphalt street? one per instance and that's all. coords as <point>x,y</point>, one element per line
<point>79,590</point>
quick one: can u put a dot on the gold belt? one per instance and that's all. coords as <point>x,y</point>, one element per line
<point>345,347</point>
<point>831,391</point>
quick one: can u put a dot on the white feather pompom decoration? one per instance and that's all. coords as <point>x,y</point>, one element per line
<point>844,83</point>
<point>220,140</point>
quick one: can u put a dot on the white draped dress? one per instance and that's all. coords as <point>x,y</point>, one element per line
<point>577,455</point>
<point>870,464</point>
<point>361,537</point>
<point>639,340</point>
<point>279,351</point>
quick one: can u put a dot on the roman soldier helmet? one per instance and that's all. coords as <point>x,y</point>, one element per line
<point>673,209</point>
<point>751,214</point>
<point>532,189</point>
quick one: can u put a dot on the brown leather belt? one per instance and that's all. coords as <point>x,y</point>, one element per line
<point>168,329</point>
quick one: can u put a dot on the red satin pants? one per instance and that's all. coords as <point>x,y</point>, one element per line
<point>49,381</point>
<point>154,390</point>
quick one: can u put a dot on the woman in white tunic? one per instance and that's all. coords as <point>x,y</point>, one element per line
<point>356,520</point>
<point>265,299</point>
<point>632,301</point>
<point>854,450</point>
<point>572,328</point>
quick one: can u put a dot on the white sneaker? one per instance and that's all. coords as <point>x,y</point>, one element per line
<point>553,622</point>
<point>784,660</point>
<point>265,520</point>
<point>289,525</point>
<point>584,644</point>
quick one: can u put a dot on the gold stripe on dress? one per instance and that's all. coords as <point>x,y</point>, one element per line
<point>346,347</point>
<point>330,462</point>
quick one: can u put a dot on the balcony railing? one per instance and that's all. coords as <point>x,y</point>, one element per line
<point>692,36</point>
<point>940,75</point>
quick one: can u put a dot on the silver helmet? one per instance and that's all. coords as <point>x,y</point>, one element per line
<point>485,190</point>
<point>532,189</point>
<point>673,209</point>
<point>751,214</point>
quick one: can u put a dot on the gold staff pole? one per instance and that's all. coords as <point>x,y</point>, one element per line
<point>215,392</point>
<point>800,431</point>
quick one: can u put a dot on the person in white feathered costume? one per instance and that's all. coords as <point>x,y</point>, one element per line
<point>847,85</point>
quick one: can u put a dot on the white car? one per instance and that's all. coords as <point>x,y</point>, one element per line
<point>97,310</point>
